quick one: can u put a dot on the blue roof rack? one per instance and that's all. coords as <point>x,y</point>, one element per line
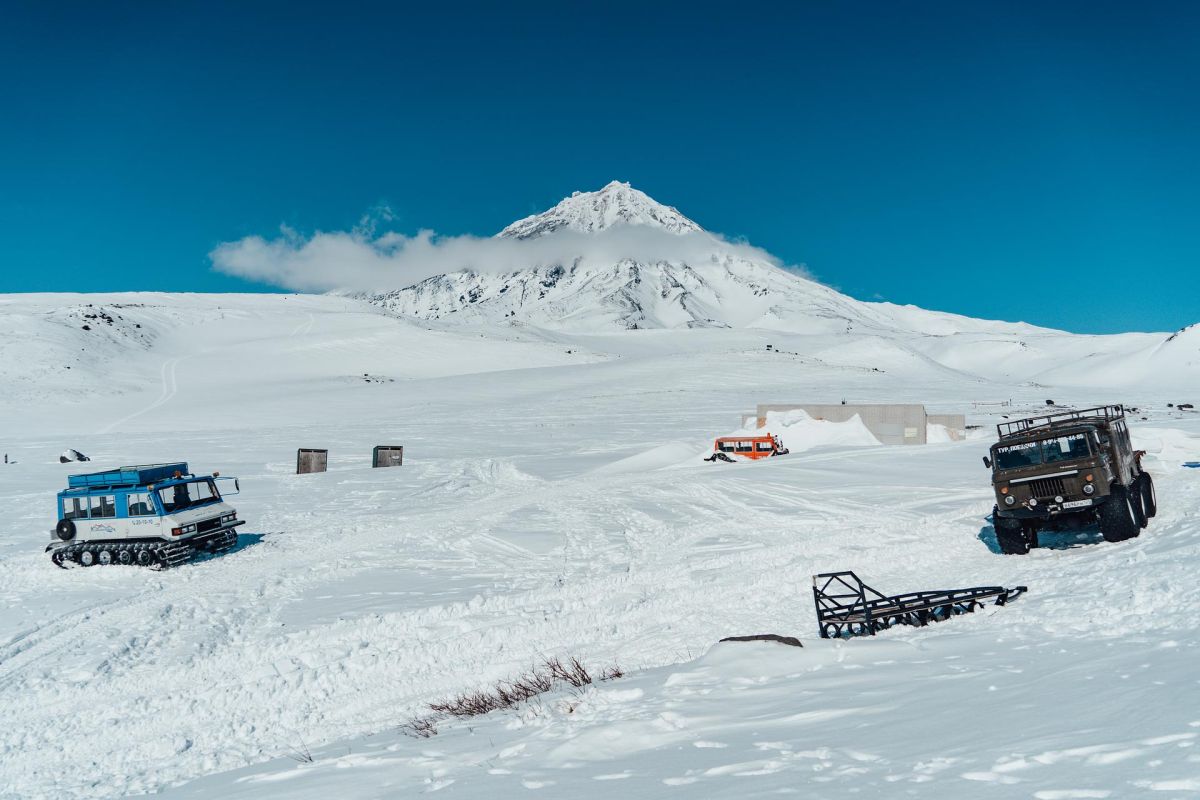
<point>142,475</point>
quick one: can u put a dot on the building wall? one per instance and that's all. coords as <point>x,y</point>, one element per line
<point>890,423</point>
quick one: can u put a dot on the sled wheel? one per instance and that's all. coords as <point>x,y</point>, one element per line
<point>1119,519</point>
<point>1149,498</point>
<point>125,557</point>
<point>144,557</point>
<point>104,557</point>
<point>65,530</point>
<point>87,558</point>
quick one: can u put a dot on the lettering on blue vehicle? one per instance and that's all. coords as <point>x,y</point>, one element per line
<point>144,522</point>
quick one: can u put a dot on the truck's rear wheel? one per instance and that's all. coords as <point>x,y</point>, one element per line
<point>1119,518</point>
<point>1145,486</point>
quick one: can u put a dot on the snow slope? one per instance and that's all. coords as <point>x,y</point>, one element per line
<point>551,504</point>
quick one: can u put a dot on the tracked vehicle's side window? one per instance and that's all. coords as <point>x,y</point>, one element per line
<point>74,508</point>
<point>200,492</point>
<point>140,505</point>
<point>104,505</point>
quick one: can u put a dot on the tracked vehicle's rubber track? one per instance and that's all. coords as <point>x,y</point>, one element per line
<point>148,553</point>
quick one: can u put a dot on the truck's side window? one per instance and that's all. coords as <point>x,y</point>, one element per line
<point>74,508</point>
<point>140,505</point>
<point>104,505</point>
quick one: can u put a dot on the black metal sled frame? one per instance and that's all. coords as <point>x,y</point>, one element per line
<point>848,607</point>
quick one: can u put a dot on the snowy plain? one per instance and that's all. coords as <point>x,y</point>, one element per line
<point>553,503</point>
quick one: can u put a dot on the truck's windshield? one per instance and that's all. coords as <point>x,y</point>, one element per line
<point>186,495</point>
<point>1066,448</point>
<point>1045,451</point>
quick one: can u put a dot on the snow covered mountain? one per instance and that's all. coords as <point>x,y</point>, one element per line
<point>589,212</point>
<point>710,284</point>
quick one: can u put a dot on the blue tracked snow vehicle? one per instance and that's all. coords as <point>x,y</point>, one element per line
<point>157,515</point>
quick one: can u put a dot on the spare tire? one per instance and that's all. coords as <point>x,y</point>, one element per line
<point>65,530</point>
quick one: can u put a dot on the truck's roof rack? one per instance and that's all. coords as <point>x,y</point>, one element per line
<point>1033,424</point>
<point>141,475</point>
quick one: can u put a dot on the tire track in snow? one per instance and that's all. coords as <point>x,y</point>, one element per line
<point>304,328</point>
<point>170,388</point>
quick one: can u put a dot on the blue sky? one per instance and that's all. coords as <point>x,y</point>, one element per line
<point>1013,160</point>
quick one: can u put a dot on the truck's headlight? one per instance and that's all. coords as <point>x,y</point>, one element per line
<point>1088,488</point>
<point>1008,501</point>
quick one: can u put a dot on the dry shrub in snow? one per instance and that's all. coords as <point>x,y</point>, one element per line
<point>507,694</point>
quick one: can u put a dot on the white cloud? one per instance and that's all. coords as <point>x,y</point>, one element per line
<point>361,260</point>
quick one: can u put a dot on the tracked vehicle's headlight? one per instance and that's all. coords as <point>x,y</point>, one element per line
<point>1008,501</point>
<point>1032,502</point>
<point>1088,488</point>
<point>1058,498</point>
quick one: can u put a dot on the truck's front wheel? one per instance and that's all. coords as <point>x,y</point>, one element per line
<point>1009,535</point>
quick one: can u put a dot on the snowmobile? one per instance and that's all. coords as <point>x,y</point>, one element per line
<point>155,515</point>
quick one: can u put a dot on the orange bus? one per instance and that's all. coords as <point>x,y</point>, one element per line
<point>726,448</point>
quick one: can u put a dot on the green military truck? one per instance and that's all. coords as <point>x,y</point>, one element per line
<point>1065,470</point>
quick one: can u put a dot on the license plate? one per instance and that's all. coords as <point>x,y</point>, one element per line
<point>1077,504</point>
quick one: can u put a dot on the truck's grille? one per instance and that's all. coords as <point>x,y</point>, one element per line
<point>208,525</point>
<point>1046,487</point>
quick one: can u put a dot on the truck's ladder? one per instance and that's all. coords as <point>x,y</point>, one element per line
<point>1019,426</point>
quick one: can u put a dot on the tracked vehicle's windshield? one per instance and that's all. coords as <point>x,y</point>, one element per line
<point>1044,451</point>
<point>186,495</point>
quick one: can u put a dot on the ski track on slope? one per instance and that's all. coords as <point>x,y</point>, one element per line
<point>170,388</point>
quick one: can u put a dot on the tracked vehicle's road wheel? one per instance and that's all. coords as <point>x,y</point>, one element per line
<point>87,558</point>
<point>144,557</point>
<point>1119,517</point>
<point>104,557</point>
<point>1145,486</point>
<point>125,557</point>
